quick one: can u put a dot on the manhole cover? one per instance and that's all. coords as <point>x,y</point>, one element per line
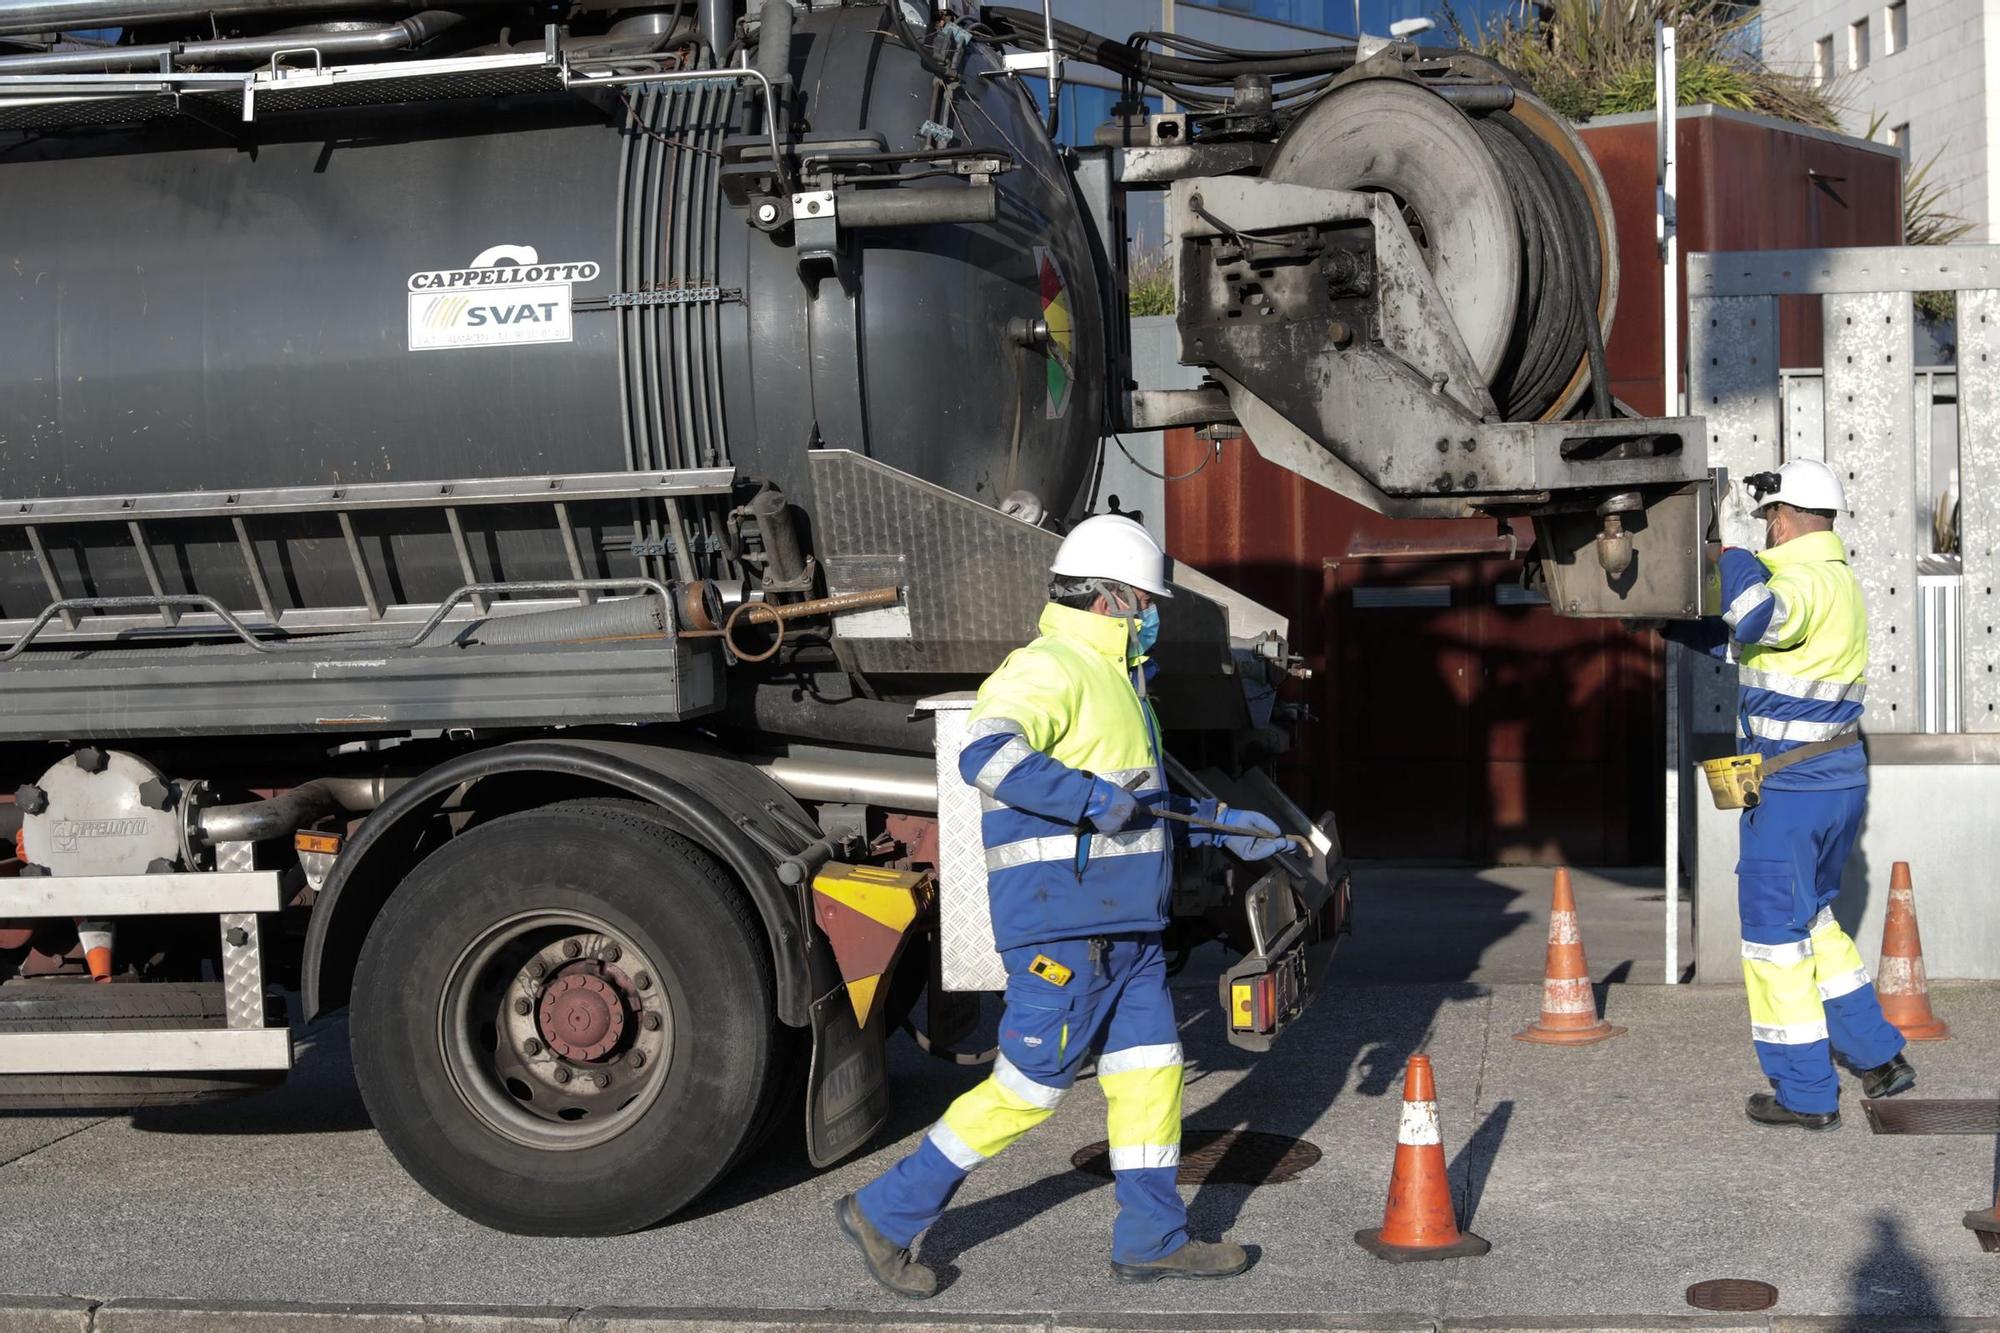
<point>1220,1157</point>
<point>1732,1293</point>
<point>1936,1116</point>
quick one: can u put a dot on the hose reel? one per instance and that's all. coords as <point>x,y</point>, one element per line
<point>1510,212</point>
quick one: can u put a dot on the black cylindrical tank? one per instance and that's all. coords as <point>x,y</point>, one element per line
<point>440,290</point>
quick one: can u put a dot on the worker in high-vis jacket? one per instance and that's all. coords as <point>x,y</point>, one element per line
<point>1798,631</point>
<point>1065,752</point>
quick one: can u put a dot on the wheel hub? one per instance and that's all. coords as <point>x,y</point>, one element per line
<point>582,1017</point>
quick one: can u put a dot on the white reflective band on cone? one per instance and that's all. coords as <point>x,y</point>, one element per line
<point>1562,929</point>
<point>1420,1125</point>
<point>1568,996</point>
<point>1901,976</point>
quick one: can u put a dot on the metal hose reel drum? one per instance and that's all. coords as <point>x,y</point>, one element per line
<point>1510,212</point>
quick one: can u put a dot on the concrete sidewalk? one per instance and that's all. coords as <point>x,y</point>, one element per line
<point>1608,1179</point>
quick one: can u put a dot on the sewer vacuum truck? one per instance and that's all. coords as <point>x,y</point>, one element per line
<point>502,509</point>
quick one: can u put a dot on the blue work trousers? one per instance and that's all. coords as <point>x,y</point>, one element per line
<point>1810,995</point>
<point>1114,1001</point>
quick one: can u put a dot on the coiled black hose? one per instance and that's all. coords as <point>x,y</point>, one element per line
<point>1556,325</point>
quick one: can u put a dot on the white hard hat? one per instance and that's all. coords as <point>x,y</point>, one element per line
<point>1111,546</point>
<point>1805,484</point>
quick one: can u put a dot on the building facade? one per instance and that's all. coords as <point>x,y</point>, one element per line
<point>1922,71</point>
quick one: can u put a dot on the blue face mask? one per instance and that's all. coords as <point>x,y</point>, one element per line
<point>1149,628</point>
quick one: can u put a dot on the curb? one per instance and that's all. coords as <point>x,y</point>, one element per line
<point>39,1314</point>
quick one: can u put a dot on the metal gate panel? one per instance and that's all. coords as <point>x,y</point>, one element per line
<point>1979,506</point>
<point>1805,417</point>
<point>1870,444</point>
<point>1733,383</point>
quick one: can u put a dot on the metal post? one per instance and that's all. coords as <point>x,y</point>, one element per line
<point>1666,223</point>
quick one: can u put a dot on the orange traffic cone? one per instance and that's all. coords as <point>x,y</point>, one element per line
<point>1419,1222</point>
<point>1986,1226</point>
<point>96,937</point>
<point>1899,982</point>
<point>1569,1008</point>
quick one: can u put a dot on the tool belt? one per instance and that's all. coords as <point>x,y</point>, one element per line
<point>1736,781</point>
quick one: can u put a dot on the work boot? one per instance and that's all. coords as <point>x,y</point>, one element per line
<point>891,1265</point>
<point>1196,1259</point>
<point>1766,1109</point>
<point>1889,1079</point>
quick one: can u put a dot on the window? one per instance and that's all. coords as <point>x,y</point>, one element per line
<point>1899,137</point>
<point>1895,27</point>
<point>1823,61</point>
<point>1857,44</point>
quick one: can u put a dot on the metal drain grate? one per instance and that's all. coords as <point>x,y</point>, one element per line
<point>1220,1157</point>
<point>1936,1116</point>
<point>1734,1294</point>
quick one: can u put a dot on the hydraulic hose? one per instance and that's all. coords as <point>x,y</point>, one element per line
<point>410,32</point>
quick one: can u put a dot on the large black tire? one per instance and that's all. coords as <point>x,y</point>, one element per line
<point>611,861</point>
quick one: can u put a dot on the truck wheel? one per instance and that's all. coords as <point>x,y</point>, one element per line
<point>563,1021</point>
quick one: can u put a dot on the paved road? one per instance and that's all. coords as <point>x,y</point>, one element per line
<point>1608,1178</point>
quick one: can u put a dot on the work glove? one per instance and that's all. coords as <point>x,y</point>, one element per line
<point>1110,807</point>
<point>1260,836</point>
<point>1736,524</point>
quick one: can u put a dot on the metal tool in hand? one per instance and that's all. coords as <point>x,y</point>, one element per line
<point>1233,830</point>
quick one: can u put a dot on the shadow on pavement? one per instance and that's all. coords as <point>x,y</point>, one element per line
<point>1890,1280</point>
<point>1475,1160</point>
<point>319,1098</point>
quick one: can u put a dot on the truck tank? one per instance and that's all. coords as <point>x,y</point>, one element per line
<point>521,286</point>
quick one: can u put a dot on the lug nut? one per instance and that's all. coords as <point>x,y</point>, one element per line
<point>571,948</point>
<point>602,1080</point>
<point>610,953</point>
<point>562,1074</point>
<point>537,969</point>
<point>32,799</point>
<point>637,1060</point>
<point>92,759</point>
<point>522,1007</point>
<point>650,1022</point>
<point>644,981</point>
<point>236,936</point>
<point>531,1047</point>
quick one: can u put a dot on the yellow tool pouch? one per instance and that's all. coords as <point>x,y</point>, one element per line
<point>1736,781</point>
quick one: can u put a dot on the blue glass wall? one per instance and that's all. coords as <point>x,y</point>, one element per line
<point>1376,15</point>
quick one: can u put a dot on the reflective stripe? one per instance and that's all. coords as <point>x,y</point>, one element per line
<point>1027,851</point>
<point>1770,729</point>
<point>1009,1076</point>
<point>1844,984</point>
<point>1163,1056</point>
<point>994,726</point>
<point>946,1140</point>
<point>1419,1125</point>
<point>1821,920</point>
<point>1121,776</point>
<point>1746,601</point>
<point>1005,759</point>
<point>1131,842</point>
<point>1789,1034</point>
<point>1799,687</point>
<point>1145,1155</point>
<point>1784,955</point>
<point>1775,631</point>
<point>1062,847</point>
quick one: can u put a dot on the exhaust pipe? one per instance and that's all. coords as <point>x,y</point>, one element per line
<point>282,816</point>
<point>411,32</point>
<point>24,16</point>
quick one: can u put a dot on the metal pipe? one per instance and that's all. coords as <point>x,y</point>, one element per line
<point>774,42</point>
<point>19,16</point>
<point>579,77</point>
<point>907,207</point>
<point>895,781</point>
<point>285,814</point>
<point>410,32</point>
<point>716,18</point>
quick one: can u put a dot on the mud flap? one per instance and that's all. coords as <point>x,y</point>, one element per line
<point>847,1092</point>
